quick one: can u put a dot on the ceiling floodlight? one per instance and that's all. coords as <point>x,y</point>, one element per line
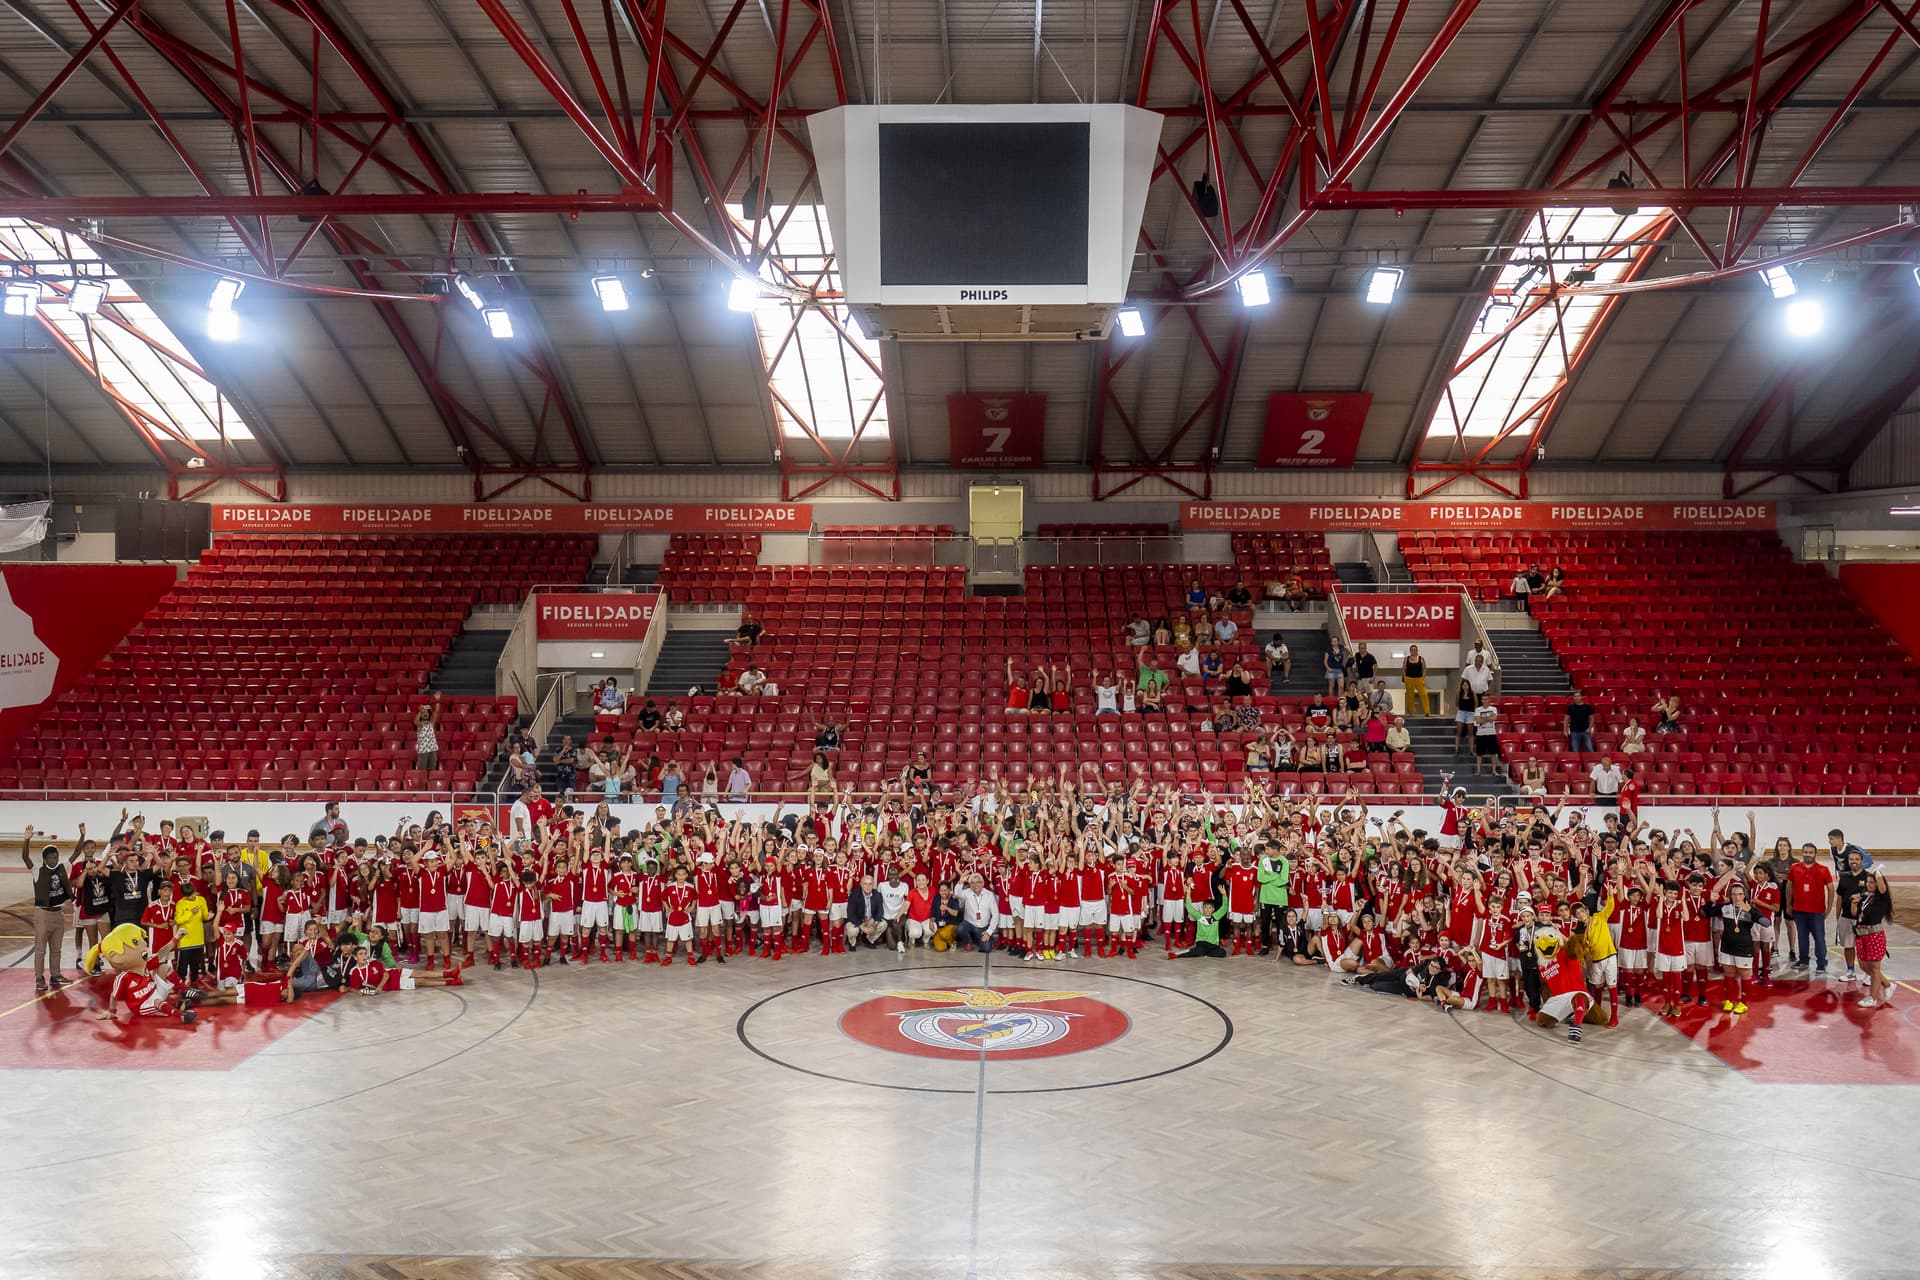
<point>499,323</point>
<point>470,291</point>
<point>1382,283</point>
<point>1780,280</point>
<point>611,291</point>
<point>1132,324</point>
<point>743,293</point>
<point>1805,317</point>
<point>23,297</point>
<point>225,294</point>
<point>1255,289</point>
<point>85,296</point>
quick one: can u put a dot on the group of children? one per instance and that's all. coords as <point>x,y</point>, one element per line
<point>1499,909</point>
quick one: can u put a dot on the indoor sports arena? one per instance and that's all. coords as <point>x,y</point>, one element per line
<point>959,639</point>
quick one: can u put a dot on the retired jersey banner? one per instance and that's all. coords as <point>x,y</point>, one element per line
<point>1401,615</point>
<point>507,517</point>
<point>56,620</point>
<point>997,432</point>
<point>1631,517</point>
<point>1314,428</point>
<point>586,615</point>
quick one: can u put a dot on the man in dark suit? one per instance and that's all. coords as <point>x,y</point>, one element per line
<point>866,916</point>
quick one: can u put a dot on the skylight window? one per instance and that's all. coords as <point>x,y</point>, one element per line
<point>137,357</point>
<point>823,372</point>
<point>1500,379</point>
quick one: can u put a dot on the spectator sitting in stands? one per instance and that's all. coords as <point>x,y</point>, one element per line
<point>1240,596</point>
<point>1106,693</point>
<point>1666,713</point>
<point>1257,754</point>
<point>1162,631</point>
<point>649,717</point>
<point>1296,593</point>
<point>673,720</point>
<point>1139,631</point>
<point>1215,600</point>
<point>1398,739</point>
<point>1212,667</point>
<point>1350,710</point>
<point>1282,748</point>
<point>1151,684</point>
<point>1277,657</point>
<point>1633,739</point>
<point>1319,714</point>
<point>751,680</point>
<point>1533,777</point>
<point>1182,630</point>
<point>1189,659</point>
<point>609,701</point>
<point>1249,716</point>
<point>1556,583</point>
<point>747,634</point>
<point>818,776</point>
<point>1239,684</point>
<point>1196,595</point>
<point>826,735</point>
<point>1019,697</point>
<point>1313,756</point>
<point>1351,761</point>
<point>1040,692</point>
<point>1221,718</point>
<point>1203,629</point>
<point>1226,630</point>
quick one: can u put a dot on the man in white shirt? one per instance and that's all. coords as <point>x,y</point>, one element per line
<point>1226,629</point>
<point>1606,782</point>
<point>1478,675</point>
<point>1189,660</point>
<point>893,899</point>
<point>1278,657</point>
<point>1106,694</point>
<point>979,914</point>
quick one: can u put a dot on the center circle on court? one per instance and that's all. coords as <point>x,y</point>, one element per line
<point>1010,1024</point>
<point>926,1029</point>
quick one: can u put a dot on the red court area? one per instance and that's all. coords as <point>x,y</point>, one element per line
<point>60,1032</point>
<point>1812,1033</point>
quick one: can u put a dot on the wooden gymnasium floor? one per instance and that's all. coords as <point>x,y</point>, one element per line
<point>1221,1120</point>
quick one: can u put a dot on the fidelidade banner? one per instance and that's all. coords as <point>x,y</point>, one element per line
<point>508,517</point>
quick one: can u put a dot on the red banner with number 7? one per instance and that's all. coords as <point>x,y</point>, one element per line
<point>997,432</point>
<point>1314,428</point>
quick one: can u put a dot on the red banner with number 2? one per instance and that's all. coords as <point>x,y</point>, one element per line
<point>997,432</point>
<point>1314,428</point>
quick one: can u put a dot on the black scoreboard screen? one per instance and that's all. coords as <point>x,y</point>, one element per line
<point>983,204</point>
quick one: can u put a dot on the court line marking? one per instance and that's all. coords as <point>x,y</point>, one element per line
<point>979,1134</point>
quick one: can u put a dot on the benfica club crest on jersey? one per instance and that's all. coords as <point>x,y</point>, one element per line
<point>1008,1023</point>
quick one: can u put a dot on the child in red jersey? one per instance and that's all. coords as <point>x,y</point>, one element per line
<point>476,904</point>
<point>596,905</point>
<point>370,977</point>
<point>435,918</point>
<point>528,910</point>
<point>1636,921</point>
<point>653,914</point>
<point>502,927</point>
<point>1670,947</point>
<point>678,900</point>
<point>770,892</point>
<point>624,886</point>
<point>1242,881</point>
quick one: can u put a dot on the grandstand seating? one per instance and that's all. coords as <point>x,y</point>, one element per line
<point>1274,557</point>
<point>293,663</point>
<point>904,657</point>
<point>1105,531</point>
<point>1788,686</point>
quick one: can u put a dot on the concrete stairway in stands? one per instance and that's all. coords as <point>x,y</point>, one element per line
<point>1529,668</point>
<point>1434,755</point>
<point>1353,571</point>
<point>1309,648</point>
<point>688,658</point>
<point>576,727</point>
<point>641,575</point>
<point>468,665</point>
